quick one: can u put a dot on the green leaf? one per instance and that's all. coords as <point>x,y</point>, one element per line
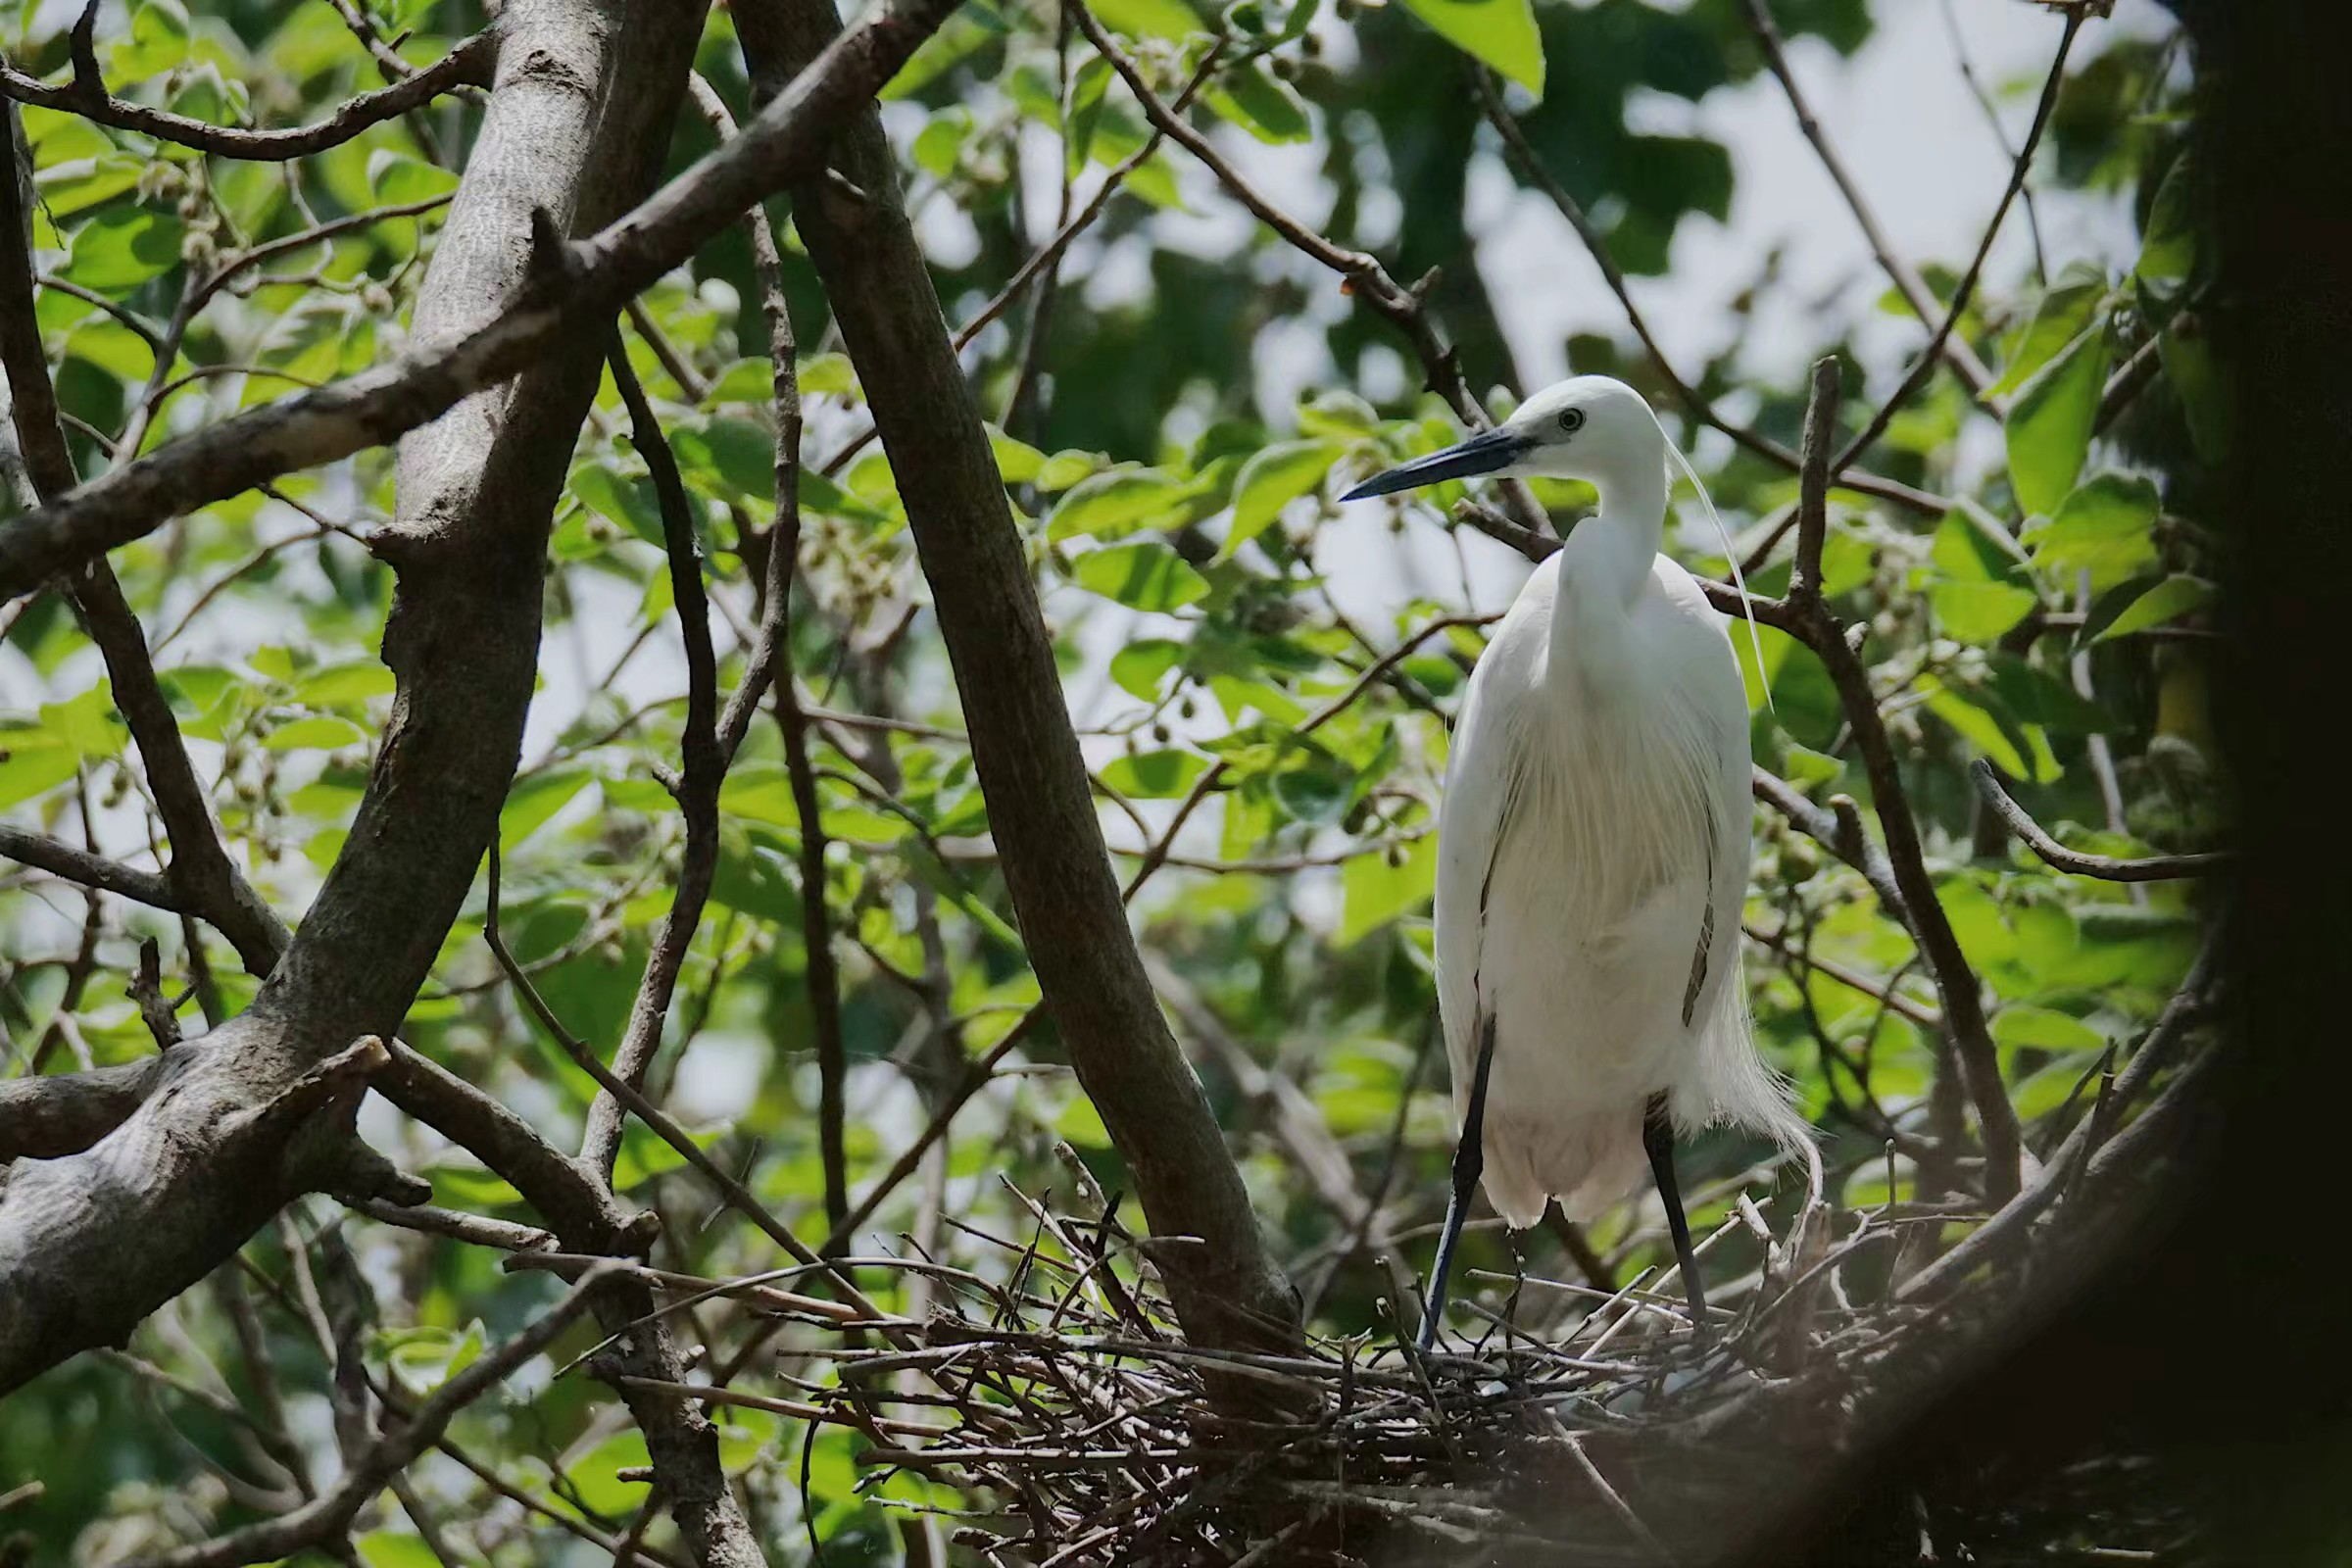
<point>962,36</point>
<point>533,800</point>
<point>318,734</point>
<point>2045,1029</point>
<point>2064,314</point>
<point>399,181</point>
<point>343,685</point>
<point>1164,776</point>
<point>1143,576</point>
<point>1979,612</point>
<point>1374,892</point>
<point>423,1359</point>
<point>157,41</point>
<point>121,248</point>
<point>1501,32</point>
<point>387,1548</point>
<point>596,1475</point>
<point>1271,480</point>
<point>2167,250</point>
<point>2207,403</point>
<point>1139,665</point>
<point>2049,422</point>
<point>1150,19</point>
<point>732,459</point>
<point>627,502</point>
<point>1980,588</point>
<point>32,763</point>
<point>1017,461</point>
<point>1115,505</point>
<point>2168,601</point>
<point>1979,726</point>
<point>1261,105</point>
<point>2103,528</point>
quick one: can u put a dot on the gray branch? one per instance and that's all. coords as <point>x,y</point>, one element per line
<point>1226,1289</point>
<point>578,283</point>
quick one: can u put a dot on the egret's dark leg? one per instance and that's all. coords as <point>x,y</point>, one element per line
<point>1469,1164</point>
<point>1657,1140</point>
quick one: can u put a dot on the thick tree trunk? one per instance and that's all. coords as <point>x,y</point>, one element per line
<point>1225,1287</point>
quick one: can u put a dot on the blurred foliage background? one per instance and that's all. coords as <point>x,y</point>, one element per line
<point>2042,610</point>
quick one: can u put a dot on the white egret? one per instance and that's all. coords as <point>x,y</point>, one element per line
<point>1593,849</point>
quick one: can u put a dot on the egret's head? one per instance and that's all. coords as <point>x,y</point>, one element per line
<point>1587,427</point>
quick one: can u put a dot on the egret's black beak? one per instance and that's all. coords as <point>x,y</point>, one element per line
<point>1484,453</point>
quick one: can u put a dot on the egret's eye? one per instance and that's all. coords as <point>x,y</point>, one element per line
<point>1572,420</point>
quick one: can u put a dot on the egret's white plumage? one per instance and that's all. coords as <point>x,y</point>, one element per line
<point>1593,843</point>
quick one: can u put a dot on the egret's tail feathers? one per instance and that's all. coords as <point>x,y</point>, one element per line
<point>1589,1163</point>
<point>1729,1082</point>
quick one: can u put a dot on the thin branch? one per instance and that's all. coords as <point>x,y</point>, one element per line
<point>696,790</point>
<point>1963,359</point>
<point>1361,274</point>
<point>468,63</point>
<point>582,281</point>
<point>2106,868</point>
<point>62,860</point>
<point>1701,407</point>
<point>2015,1220</point>
<point>478,1230</point>
<point>200,875</point>
<point>1931,355</point>
<point>323,1520</point>
<point>1955,980</point>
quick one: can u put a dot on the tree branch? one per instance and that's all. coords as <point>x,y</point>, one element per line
<point>471,62</point>
<point>1924,365</point>
<point>62,860</point>
<point>1813,622</point>
<point>320,1523</point>
<point>1227,1291</point>
<point>1963,359</point>
<point>1531,166</point>
<point>696,790</point>
<point>584,281</point>
<point>2106,868</point>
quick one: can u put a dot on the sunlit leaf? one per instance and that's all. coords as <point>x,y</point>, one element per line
<point>2049,422</point>
<point>1500,33</point>
<point>2176,596</point>
<point>1111,506</point>
<point>1269,481</point>
<point>1161,775</point>
<point>2102,527</point>
<point>1377,888</point>
<point>121,248</point>
<point>1148,575</point>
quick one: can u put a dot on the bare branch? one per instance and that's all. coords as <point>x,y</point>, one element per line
<point>697,789</point>
<point>467,63</point>
<point>1955,980</point>
<point>324,1520</point>
<point>585,281</point>
<point>2106,868</point>
<point>62,860</point>
<point>1907,282</point>
<point>1931,355</point>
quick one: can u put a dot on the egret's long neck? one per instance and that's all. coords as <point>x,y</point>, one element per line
<point>1606,560</point>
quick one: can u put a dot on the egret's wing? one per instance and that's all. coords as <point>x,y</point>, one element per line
<point>1475,821</point>
<point>1706,942</point>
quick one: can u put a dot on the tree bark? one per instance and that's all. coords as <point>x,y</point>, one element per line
<point>1226,1288</point>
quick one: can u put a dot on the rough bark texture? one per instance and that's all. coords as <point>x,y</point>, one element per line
<point>233,1128</point>
<point>1226,1289</point>
<point>587,283</point>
